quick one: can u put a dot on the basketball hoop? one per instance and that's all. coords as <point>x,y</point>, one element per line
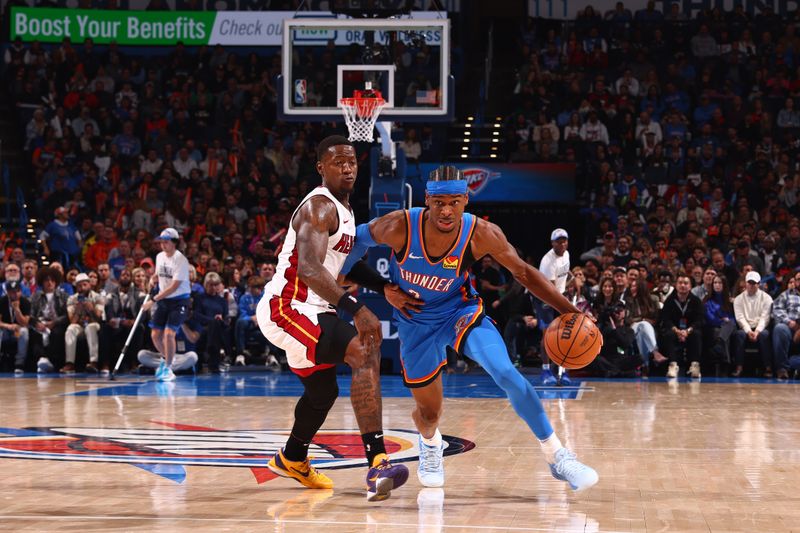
<point>361,112</point>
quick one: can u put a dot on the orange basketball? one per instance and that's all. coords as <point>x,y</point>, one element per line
<point>572,340</point>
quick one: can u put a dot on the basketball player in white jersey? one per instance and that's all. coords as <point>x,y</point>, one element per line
<point>172,300</point>
<point>555,267</point>
<point>298,314</point>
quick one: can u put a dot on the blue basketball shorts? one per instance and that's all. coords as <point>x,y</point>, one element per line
<point>170,313</point>
<point>423,347</point>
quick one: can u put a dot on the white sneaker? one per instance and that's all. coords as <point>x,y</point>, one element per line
<point>694,370</point>
<point>18,371</point>
<point>239,360</point>
<point>44,366</point>
<point>167,375</point>
<point>672,371</point>
<point>430,471</point>
<point>273,364</point>
<point>567,468</point>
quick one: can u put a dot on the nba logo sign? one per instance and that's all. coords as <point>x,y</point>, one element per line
<point>300,91</point>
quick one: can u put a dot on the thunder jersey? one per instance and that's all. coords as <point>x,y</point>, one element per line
<point>287,285</point>
<point>442,282</point>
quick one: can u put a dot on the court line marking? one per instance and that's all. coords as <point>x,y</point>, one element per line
<point>272,521</point>
<point>650,450</point>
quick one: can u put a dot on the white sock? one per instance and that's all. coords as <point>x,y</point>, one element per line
<point>550,446</point>
<point>434,441</point>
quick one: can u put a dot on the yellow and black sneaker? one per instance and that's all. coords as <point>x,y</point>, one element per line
<point>302,471</point>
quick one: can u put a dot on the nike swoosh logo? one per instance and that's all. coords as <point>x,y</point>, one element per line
<point>296,471</point>
<point>373,479</point>
<point>412,256</point>
<point>346,221</point>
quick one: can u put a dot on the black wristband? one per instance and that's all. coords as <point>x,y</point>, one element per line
<point>367,277</point>
<point>349,303</point>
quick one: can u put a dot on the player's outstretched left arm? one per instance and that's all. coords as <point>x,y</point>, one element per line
<point>489,239</point>
<point>384,230</point>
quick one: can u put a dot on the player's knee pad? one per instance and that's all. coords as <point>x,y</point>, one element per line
<point>313,407</point>
<point>322,391</point>
<point>324,400</point>
<point>311,412</point>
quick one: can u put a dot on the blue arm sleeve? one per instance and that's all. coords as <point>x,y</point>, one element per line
<point>364,242</point>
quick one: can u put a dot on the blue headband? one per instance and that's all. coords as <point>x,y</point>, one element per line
<point>446,187</point>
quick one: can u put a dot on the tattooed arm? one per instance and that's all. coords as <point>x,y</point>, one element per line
<point>314,223</point>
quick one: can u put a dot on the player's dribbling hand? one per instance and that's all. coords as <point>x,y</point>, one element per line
<point>368,327</point>
<point>401,300</point>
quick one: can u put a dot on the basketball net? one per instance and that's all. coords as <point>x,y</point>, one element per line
<point>361,112</point>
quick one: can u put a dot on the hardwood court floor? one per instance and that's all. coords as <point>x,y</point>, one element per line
<point>708,456</point>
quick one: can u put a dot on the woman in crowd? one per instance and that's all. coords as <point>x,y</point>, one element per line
<point>720,322</point>
<point>642,313</point>
<point>606,297</point>
<point>211,317</point>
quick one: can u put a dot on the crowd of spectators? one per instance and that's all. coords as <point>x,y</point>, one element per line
<point>123,145</point>
<point>43,317</point>
<point>684,132</point>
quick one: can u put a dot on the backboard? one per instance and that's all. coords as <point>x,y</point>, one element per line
<point>406,59</point>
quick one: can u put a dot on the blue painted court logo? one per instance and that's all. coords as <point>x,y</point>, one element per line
<point>165,451</point>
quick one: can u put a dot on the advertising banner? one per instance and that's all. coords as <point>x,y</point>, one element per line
<point>52,25</point>
<point>193,28</point>
<point>509,182</point>
<point>451,6</point>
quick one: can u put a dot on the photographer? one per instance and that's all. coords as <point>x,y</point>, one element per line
<point>617,357</point>
<point>521,333</point>
<point>15,314</point>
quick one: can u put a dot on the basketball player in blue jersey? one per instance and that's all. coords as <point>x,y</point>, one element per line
<point>433,249</point>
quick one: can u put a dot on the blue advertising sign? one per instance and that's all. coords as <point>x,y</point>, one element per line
<point>509,182</point>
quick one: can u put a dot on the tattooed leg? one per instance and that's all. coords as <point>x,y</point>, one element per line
<point>365,390</point>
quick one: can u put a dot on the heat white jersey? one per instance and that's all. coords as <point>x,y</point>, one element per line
<point>286,285</point>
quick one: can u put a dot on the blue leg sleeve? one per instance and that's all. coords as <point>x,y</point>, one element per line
<point>485,345</point>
